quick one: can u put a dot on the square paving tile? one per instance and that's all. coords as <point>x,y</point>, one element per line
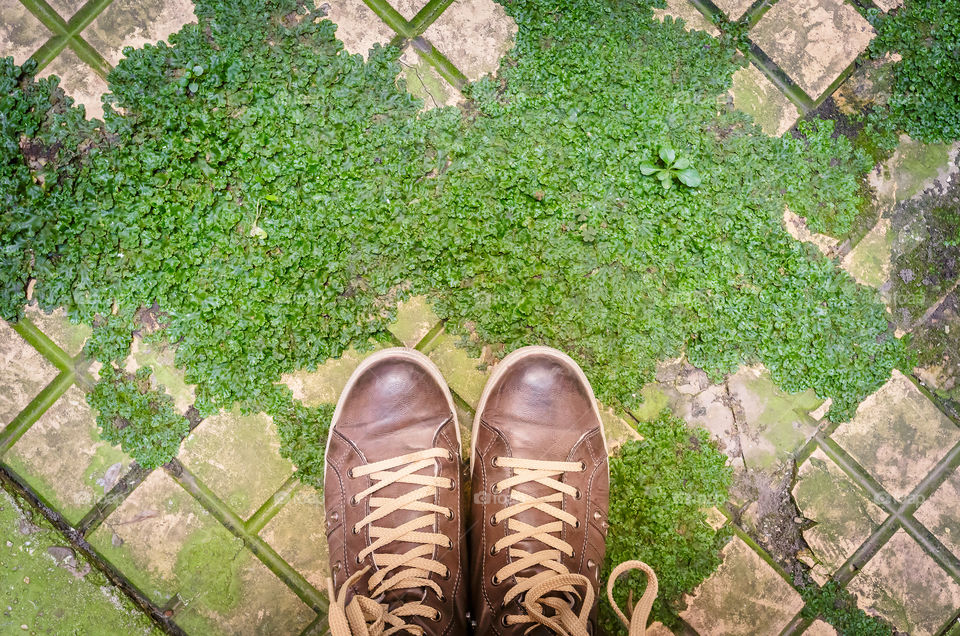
<point>869,262</point>
<point>358,27</point>
<point>238,457</point>
<point>160,357</point>
<point>474,35</point>
<point>693,20</point>
<point>66,8</point>
<point>907,587</point>
<point>21,33</point>
<point>145,535</point>
<point>79,82</point>
<point>415,318</point>
<point>734,9</point>
<point>898,435</point>
<point>744,596</point>
<point>941,513</point>
<point>232,592</point>
<point>819,628</point>
<point>298,534</point>
<point>843,514</point>
<point>757,96</point>
<point>135,23</point>
<point>24,371</point>
<point>814,41</point>
<point>67,335</point>
<point>460,371</point>
<point>63,459</point>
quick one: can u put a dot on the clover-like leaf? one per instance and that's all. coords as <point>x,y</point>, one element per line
<point>647,169</point>
<point>681,164</point>
<point>667,154</point>
<point>689,177</point>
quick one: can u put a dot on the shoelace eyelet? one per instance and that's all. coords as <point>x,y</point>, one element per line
<point>493,551</point>
<point>493,461</point>
<point>493,520</point>
<point>359,560</point>
<point>495,580</point>
<point>436,617</point>
<point>450,516</point>
<point>446,576</point>
<point>583,466</point>
<point>577,524</point>
<point>450,456</point>
<point>449,544</point>
<point>579,495</point>
<point>503,621</point>
<point>354,501</point>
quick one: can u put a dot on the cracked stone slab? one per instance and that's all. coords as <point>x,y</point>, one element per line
<point>161,358</point>
<point>941,515</point>
<point>24,372</point>
<point>63,459</point>
<point>238,457</point>
<point>144,536</point>
<point>693,20</point>
<point>616,430</point>
<point>869,262</point>
<point>298,535</point>
<point>358,27</point>
<point>796,227</point>
<point>843,514</point>
<point>135,23</point>
<point>415,318</point>
<point>904,585</point>
<point>744,596</point>
<point>67,335</point>
<point>755,423</point>
<point>813,41</point>
<point>423,81</point>
<point>819,628</point>
<point>324,385</point>
<point>474,35</point>
<point>21,33</point>
<point>898,435</point>
<point>757,96</point>
<point>239,597</point>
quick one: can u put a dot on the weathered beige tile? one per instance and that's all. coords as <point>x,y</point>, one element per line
<point>844,516</point>
<point>474,35</point>
<point>796,226</point>
<point>744,596</point>
<point>913,168</point>
<point>757,96</point>
<point>21,33</point>
<point>23,373</point>
<point>898,435</point>
<point>67,335</point>
<point>461,372</point>
<point>813,41</point>
<point>819,628</point>
<point>66,8</point>
<point>869,85</point>
<point>135,23</point>
<point>242,597</point>
<point>161,359</point>
<point>734,9</point>
<point>358,27</point>
<point>79,82</point>
<point>941,513</point>
<point>238,457</point>
<point>617,431</point>
<point>906,586</point>
<point>145,535</point>
<point>298,535</point>
<point>693,20</point>
<point>423,81</point>
<point>415,318</point>
<point>888,5</point>
<point>870,261</point>
<point>63,459</point>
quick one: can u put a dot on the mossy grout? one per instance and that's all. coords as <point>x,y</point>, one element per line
<point>272,506</point>
<point>43,344</point>
<point>36,408</point>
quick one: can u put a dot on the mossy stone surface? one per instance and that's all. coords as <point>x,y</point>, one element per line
<point>298,534</point>
<point>25,373</point>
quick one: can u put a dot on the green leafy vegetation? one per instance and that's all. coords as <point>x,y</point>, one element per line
<point>926,90</point>
<point>672,167</point>
<point>838,607</point>
<point>140,419</point>
<point>303,438</point>
<point>661,487</point>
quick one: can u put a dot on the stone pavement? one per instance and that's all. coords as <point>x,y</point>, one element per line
<point>211,545</point>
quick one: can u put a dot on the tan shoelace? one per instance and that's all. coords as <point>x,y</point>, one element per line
<point>553,588</point>
<point>363,615</point>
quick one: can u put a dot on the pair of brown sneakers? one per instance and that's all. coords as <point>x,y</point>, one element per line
<point>402,557</point>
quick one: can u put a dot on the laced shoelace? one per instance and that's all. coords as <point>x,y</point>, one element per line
<point>364,615</point>
<point>555,587</point>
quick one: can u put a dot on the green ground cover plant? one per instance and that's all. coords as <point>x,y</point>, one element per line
<point>275,197</point>
<point>665,482</point>
<point>925,102</point>
<point>838,607</point>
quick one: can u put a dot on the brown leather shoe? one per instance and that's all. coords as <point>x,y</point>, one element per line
<point>392,495</point>
<point>540,498</point>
